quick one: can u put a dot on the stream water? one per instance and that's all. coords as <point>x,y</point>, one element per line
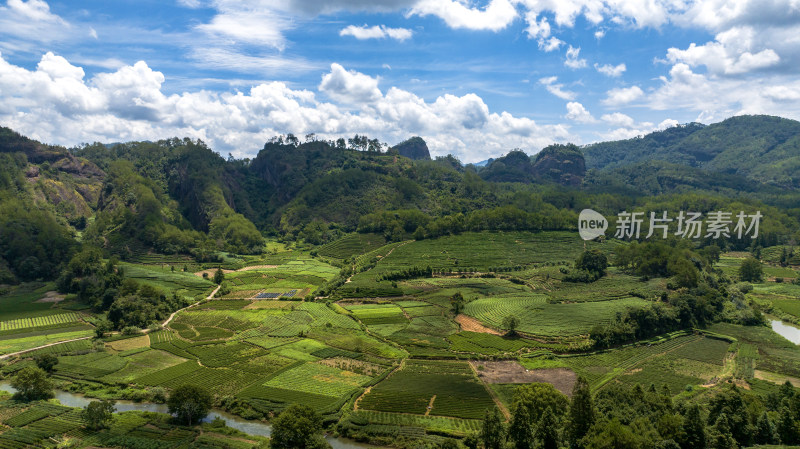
<point>786,330</point>
<point>250,427</point>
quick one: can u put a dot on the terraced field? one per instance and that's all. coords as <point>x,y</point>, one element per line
<point>537,317</point>
<point>352,245</point>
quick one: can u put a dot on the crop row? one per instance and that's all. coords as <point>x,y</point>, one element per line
<point>41,321</point>
<point>457,392</point>
<point>318,379</point>
<point>225,354</point>
<point>435,423</point>
<point>481,343</point>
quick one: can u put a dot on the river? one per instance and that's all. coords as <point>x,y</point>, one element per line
<point>250,427</point>
<point>786,330</point>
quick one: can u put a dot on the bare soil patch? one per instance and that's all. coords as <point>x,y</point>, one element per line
<point>472,325</point>
<point>51,297</point>
<point>776,378</point>
<point>511,372</point>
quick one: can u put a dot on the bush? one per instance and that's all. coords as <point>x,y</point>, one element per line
<point>131,330</point>
<point>32,383</point>
<point>751,270</point>
<point>189,403</point>
<point>582,276</point>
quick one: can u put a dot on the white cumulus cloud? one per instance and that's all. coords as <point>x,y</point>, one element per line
<point>574,61</point>
<point>55,102</point>
<point>376,32</point>
<point>611,70</point>
<point>623,95</point>
<point>578,113</point>
<point>554,87</point>
<point>497,15</point>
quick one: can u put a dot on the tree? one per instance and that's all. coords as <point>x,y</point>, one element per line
<point>46,362</point>
<point>547,430</point>
<point>593,261</point>
<point>787,427</point>
<point>581,411</point>
<point>694,429</point>
<point>101,327</point>
<point>751,270</point>
<point>537,397</point>
<point>448,443</point>
<point>471,441</point>
<point>614,435</point>
<point>297,427</point>
<point>511,323</point>
<point>219,276</point>
<point>32,383</point>
<point>457,303</point>
<point>97,414</point>
<point>189,403</point>
<point>521,428</point>
<point>765,430</point>
<point>493,432</point>
<point>721,437</point>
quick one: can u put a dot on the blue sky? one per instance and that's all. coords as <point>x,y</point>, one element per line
<point>474,78</point>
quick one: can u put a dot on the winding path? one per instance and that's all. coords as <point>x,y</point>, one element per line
<point>144,331</point>
<point>209,297</point>
<point>42,346</point>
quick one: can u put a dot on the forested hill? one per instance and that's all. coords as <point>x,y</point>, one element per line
<point>177,196</point>
<point>760,148</point>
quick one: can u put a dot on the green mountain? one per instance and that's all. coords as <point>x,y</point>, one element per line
<point>760,148</point>
<point>177,196</point>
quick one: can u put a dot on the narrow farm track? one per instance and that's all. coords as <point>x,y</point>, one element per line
<point>366,392</point>
<point>430,406</point>
<point>209,297</point>
<point>145,331</point>
<point>42,346</point>
<point>491,392</point>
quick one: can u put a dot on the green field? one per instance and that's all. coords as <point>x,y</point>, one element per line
<point>352,245</point>
<point>457,391</point>
<point>162,277</point>
<point>678,362</point>
<point>537,317</point>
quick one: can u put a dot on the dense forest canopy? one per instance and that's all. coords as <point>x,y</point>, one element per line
<point>179,196</point>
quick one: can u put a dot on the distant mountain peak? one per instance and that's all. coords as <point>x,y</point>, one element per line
<point>414,148</point>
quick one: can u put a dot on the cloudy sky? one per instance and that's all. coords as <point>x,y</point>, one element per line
<point>475,78</point>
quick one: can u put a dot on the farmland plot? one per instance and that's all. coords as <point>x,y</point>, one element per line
<point>412,389</point>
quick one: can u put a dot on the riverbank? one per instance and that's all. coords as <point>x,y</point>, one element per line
<point>250,428</point>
